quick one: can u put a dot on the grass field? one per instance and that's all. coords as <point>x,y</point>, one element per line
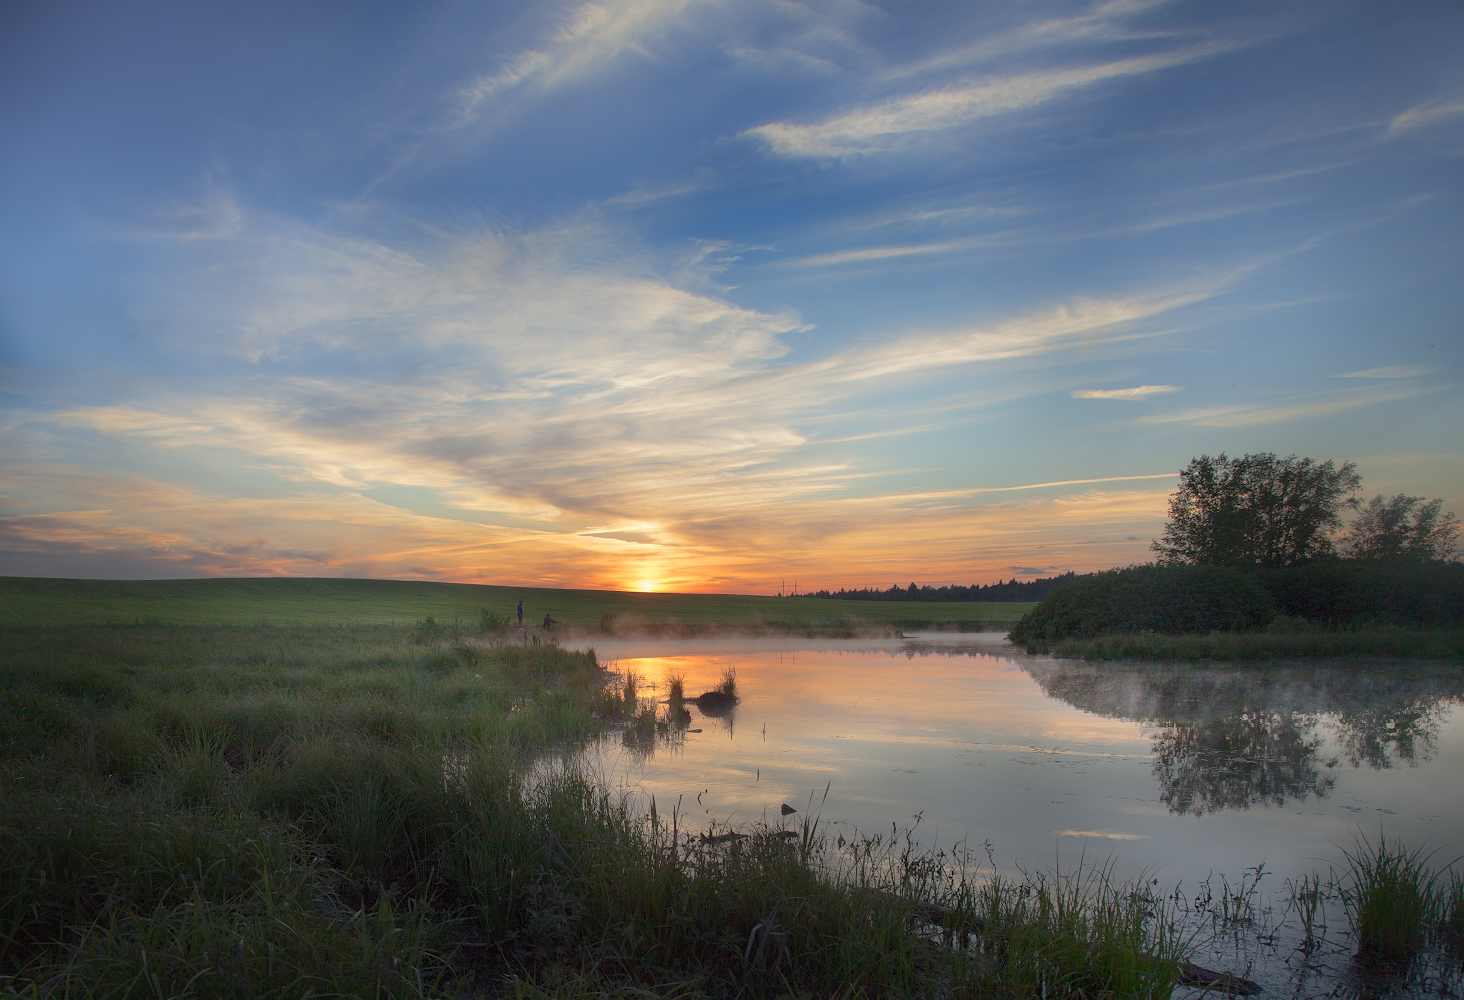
<point>312,811</point>
<point>36,601</point>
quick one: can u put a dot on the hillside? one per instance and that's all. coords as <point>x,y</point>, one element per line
<point>38,601</point>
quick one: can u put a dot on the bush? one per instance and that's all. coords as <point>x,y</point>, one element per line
<point>1149,598</point>
<point>1356,592</point>
<point>492,621</point>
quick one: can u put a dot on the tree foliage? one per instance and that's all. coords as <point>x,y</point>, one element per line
<point>1401,528</point>
<point>1256,510</point>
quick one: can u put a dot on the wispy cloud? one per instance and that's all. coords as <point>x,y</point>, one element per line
<point>882,126</point>
<point>163,530</point>
<point>1308,407</point>
<point>593,36</point>
<point>1428,113</point>
<point>529,385</point>
<point>1137,392</point>
<point>1391,371</point>
<point>874,254</point>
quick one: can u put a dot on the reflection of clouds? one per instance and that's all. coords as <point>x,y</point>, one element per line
<point>1230,739</point>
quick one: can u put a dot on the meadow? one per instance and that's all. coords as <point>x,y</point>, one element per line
<point>35,601</point>
<point>368,811</point>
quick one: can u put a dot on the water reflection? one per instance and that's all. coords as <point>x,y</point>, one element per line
<point>673,722</point>
<point>1233,738</point>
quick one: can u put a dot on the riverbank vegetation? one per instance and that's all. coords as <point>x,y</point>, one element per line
<point>294,812</point>
<point>1222,647</point>
<point>1254,563</point>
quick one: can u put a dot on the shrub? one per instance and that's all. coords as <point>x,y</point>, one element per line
<point>1149,598</point>
<point>492,621</point>
<point>1357,592</point>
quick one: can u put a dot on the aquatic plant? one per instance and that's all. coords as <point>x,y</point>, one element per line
<point>1453,908</point>
<point>1392,898</point>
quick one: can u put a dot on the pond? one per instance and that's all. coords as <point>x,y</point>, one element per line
<point>1202,778</point>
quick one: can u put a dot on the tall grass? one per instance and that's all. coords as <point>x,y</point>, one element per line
<point>1393,899</point>
<point>309,812</point>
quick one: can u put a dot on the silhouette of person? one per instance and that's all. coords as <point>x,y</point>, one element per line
<point>521,614</point>
<point>548,622</point>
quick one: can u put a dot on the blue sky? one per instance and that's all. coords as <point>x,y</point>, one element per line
<point>697,295</point>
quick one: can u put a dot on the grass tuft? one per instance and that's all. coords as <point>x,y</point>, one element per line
<point>1392,898</point>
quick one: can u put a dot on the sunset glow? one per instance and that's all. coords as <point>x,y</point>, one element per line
<point>680,296</point>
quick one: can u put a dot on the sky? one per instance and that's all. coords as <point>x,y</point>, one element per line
<point>704,295</point>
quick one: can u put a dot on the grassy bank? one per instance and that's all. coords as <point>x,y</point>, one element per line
<point>1261,645</point>
<point>291,812</point>
<point>29,601</point>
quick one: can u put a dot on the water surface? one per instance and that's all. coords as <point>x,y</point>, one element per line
<point>1186,774</point>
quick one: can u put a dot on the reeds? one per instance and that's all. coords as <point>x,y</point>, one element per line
<point>1393,898</point>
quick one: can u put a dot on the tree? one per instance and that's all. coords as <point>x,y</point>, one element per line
<point>1256,510</point>
<point>1402,528</point>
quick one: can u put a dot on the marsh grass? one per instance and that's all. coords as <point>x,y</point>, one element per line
<point>295,812</point>
<point>728,687</point>
<point>1307,896</point>
<point>1453,926</point>
<point>1393,899</point>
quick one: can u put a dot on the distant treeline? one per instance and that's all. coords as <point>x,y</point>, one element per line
<point>1016,590</point>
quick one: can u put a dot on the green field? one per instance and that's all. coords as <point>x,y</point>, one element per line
<point>27,601</point>
<point>297,813</point>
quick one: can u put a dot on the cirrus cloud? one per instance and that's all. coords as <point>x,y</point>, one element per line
<point>1137,392</point>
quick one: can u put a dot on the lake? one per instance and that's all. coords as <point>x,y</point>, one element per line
<point>1198,777</point>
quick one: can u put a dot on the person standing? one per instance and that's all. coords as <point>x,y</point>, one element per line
<point>521,613</point>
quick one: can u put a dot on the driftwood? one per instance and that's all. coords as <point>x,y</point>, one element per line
<point>1190,974</point>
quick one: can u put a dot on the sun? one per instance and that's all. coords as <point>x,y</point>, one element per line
<point>648,586</point>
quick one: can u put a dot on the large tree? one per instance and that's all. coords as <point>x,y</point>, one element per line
<point>1401,528</point>
<point>1256,510</point>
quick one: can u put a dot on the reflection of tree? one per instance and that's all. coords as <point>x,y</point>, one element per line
<point>1378,736</point>
<point>1232,763</point>
<point>1237,737</point>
